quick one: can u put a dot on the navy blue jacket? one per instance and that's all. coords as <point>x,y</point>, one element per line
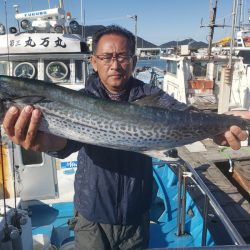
<point>113,186</point>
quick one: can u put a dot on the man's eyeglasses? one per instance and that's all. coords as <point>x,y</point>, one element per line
<point>109,58</point>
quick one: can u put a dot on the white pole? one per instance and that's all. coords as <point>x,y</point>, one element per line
<point>31,5</point>
<point>61,4</point>
<point>234,17</point>
<point>242,13</point>
<point>82,18</point>
<point>136,34</point>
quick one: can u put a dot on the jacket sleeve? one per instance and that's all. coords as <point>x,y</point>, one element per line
<point>71,147</point>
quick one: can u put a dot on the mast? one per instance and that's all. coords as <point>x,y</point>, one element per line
<point>211,26</point>
<point>213,11</point>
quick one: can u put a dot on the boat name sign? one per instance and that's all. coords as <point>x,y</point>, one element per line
<point>41,43</point>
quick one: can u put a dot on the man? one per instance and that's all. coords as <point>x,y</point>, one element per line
<point>112,187</point>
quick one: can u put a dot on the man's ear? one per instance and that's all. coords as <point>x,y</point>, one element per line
<point>94,63</point>
<point>134,62</point>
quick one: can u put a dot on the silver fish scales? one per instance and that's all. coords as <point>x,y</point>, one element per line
<point>127,126</point>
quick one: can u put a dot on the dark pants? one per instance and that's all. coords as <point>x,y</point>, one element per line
<point>96,236</point>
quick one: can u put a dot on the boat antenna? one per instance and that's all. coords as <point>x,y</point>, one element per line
<point>83,20</point>
<point>81,17</point>
<point>31,7</point>
<point>49,3</point>
<point>84,28</point>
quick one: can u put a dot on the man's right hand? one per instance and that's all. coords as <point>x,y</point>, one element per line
<point>22,128</point>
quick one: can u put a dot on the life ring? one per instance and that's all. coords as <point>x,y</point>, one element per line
<point>25,69</point>
<point>57,71</point>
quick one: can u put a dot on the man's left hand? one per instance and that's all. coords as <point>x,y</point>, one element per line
<point>234,135</point>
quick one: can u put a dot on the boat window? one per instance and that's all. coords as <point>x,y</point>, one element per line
<point>57,71</point>
<point>245,55</point>
<point>3,68</point>
<point>80,68</point>
<point>24,69</point>
<point>200,69</point>
<point>31,157</point>
<point>171,67</point>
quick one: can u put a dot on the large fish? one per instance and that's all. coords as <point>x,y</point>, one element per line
<point>127,126</point>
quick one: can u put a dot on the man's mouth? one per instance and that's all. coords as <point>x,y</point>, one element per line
<point>116,76</point>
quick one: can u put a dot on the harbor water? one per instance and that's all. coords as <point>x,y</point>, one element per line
<point>150,70</point>
<point>158,63</point>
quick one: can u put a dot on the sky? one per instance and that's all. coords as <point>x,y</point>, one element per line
<point>158,21</point>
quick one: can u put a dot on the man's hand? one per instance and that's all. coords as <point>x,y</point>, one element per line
<point>234,135</point>
<point>22,128</point>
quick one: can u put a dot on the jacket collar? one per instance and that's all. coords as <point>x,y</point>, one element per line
<point>95,87</point>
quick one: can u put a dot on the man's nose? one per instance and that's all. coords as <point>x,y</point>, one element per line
<point>115,63</point>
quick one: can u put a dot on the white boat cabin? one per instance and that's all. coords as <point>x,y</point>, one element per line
<point>196,79</point>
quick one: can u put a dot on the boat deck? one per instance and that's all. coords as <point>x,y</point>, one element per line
<point>231,189</point>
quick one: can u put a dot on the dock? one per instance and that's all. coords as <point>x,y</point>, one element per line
<point>226,173</point>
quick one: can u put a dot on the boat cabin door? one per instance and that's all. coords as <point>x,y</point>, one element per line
<point>35,173</point>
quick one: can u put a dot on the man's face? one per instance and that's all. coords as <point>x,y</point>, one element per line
<point>113,74</point>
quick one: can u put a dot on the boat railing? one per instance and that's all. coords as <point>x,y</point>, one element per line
<point>185,170</point>
<point>232,247</point>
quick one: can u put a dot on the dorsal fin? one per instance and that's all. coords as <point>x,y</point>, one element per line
<point>150,100</point>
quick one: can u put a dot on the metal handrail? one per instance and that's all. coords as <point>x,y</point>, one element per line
<point>178,233</point>
<point>246,247</point>
<point>232,231</point>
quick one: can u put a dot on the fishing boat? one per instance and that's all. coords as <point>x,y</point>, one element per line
<point>37,190</point>
<point>45,46</point>
<point>201,80</point>
<point>214,78</point>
